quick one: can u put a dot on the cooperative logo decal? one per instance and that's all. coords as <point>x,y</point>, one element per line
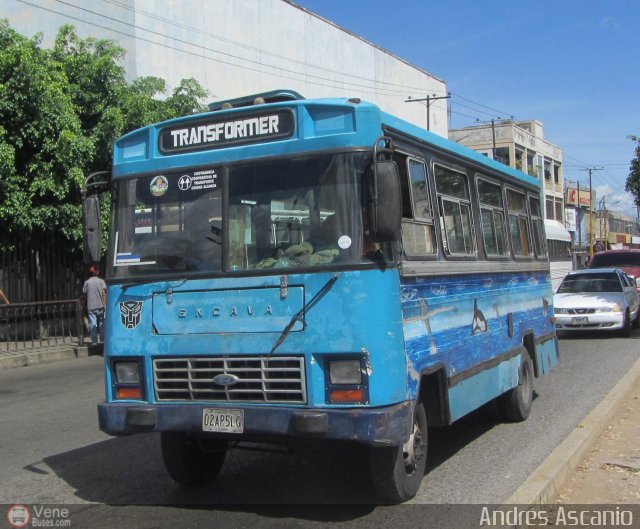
<point>130,312</point>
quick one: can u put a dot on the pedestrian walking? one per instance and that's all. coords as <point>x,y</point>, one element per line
<point>95,291</point>
<point>3,298</point>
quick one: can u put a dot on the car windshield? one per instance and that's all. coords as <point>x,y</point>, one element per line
<point>615,260</point>
<point>294,213</point>
<point>608,282</point>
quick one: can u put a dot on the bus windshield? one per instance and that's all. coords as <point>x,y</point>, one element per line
<point>289,213</point>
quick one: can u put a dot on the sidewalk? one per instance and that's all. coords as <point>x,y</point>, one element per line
<point>597,463</point>
<point>611,471</point>
<point>33,356</point>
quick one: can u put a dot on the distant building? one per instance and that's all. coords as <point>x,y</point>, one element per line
<point>241,47</point>
<point>613,230</point>
<point>522,146</point>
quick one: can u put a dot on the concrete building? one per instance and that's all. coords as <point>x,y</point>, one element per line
<point>521,145</point>
<point>240,47</point>
<point>613,230</point>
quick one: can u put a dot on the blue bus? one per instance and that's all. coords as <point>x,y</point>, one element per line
<point>286,269</point>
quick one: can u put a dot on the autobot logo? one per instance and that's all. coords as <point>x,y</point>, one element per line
<point>130,313</point>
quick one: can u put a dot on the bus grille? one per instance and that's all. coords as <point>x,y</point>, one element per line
<point>260,379</point>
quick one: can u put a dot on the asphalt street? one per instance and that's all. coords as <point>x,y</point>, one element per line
<point>53,452</point>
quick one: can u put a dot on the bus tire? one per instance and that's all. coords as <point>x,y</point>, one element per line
<point>397,471</point>
<point>515,404</point>
<point>191,460</point>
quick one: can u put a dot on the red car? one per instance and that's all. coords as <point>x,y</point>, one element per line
<point>628,260</point>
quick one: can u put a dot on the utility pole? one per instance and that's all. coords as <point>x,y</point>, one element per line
<point>579,222</point>
<point>493,131</point>
<point>590,170</point>
<point>604,220</point>
<point>428,99</point>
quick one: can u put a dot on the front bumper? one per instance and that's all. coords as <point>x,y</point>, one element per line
<point>594,322</point>
<point>388,426</point>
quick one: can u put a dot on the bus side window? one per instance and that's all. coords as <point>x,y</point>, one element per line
<point>455,211</point>
<point>518,224</point>
<point>537,225</point>
<point>418,237</point>
<point>492,219</point>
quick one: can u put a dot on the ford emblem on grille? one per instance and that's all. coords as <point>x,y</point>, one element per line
<point>225,379</point>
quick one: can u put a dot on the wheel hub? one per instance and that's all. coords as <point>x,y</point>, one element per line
<point>412,450</point>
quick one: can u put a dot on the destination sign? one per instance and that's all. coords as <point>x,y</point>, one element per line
<point>215,133</point>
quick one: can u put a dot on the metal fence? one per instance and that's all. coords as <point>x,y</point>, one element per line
<point>25,326</point>
<point>41,275</point>
<point>42,267</point>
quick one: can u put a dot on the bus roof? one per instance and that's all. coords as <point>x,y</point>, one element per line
<point>447,145</point>
<point>321,124</point>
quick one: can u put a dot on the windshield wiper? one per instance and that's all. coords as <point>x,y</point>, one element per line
<point>319,295</point>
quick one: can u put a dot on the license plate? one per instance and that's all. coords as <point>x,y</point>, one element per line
<point>220,420</point>
<point>580,321</point>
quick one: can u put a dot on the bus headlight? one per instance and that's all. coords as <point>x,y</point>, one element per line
<point>345,372</point>
<point>127,372</point>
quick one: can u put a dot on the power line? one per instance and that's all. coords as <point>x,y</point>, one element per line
<point>401,88</point>
<point>499,112</point>
<point>473,108</point>
<point>282,72</point>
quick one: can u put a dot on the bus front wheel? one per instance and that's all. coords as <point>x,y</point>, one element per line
<point>515,404</point>
<point>398,471</point>
<point>192,460</point>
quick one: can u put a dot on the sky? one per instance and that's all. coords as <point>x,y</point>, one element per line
<point>573,65</point>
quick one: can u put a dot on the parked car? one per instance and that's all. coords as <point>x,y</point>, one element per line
<point>627,260</point>
<point>596,299</point>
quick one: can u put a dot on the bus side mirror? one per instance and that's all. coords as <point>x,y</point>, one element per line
<point>92,236</point>
<point>386,202</point>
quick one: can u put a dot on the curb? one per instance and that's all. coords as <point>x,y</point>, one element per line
<point>545,483</point>
<point>45,356</point>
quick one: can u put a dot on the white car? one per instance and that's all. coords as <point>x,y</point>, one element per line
<point>596,299</point>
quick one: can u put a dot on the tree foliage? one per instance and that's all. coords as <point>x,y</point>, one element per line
<point>633,180</point>
<point>61,109</point>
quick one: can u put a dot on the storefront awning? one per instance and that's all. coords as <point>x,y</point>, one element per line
<point>556,231</point>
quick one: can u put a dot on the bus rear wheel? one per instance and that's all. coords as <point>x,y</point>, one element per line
<point>398,471</point>
<point>515,404</point>
<point>190,459</point>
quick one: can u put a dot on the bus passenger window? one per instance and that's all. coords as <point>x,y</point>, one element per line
<point>418,237</point>
<point>494,234</point>
<point>538,232</point>
<point>455,207</point>
<point>518,224</point>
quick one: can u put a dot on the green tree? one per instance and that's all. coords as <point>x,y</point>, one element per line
<point>60,112</point>
<point>633,180</point>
